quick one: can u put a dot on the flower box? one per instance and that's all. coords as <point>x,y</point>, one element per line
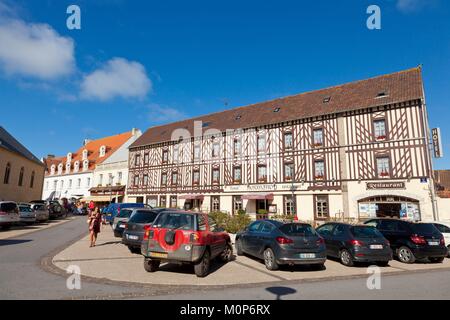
<point>381,138</point>
<point>317,145</point>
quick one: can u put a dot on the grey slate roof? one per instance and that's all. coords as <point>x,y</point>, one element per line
<point>10,143</point>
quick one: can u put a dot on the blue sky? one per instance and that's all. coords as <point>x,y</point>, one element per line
<point>159,61</point>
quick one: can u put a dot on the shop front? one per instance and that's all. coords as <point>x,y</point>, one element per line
<point>389,206</point>
<point>192,201</point>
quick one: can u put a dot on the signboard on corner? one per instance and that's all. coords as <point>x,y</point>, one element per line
<point>437,142</point>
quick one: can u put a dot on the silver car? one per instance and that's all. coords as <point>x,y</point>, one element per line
<point>41,212</point>
<point>26,214</point>
<point>9,214</point>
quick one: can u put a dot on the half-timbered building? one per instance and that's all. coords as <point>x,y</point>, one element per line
<point>355,150</point>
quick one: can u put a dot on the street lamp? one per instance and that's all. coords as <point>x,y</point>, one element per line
<point>111,180</point>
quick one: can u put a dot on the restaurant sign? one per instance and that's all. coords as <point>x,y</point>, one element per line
<point>384,185</point>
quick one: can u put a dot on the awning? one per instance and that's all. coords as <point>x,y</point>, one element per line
<point>258,196</point>
<point>97,198</point>
<point>108,189</point>
<point>192,197</point>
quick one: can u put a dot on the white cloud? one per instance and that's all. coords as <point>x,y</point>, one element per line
<point>117,78</point>
<point>408,6</point>
<point>34,50</point>
<point>162,114</point>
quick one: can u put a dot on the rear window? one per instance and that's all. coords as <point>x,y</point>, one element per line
<point>424,228</point>
<point>39,207</point>
<point>124,213</point>
<point>8,207</point>
<point>297,229</point>
<point>25,209</point>
<point>365,232</point>
<point>144,217</point>
<point>173,220</point>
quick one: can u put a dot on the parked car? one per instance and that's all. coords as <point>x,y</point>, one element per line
<point>40,211</point>
<point>185,237</point>
<point>444,228</point>
<point>9,214</point>
<point>136,226</point>
<point>281,243</point>
<point>56,210</point>
<point>411,241</point>
<point>355,243</point>
<point>27,215</point>
<point>114,208</point>
<point>120,221</point>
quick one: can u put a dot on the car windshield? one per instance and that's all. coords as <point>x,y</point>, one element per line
<point>124,213</point>
<point>421,228</point>
<point>8,207</point>
<point>25,209</point>
<point>365,232</point>
<point>142,216</point>
<point>173,220</point>
<point>297,229</point>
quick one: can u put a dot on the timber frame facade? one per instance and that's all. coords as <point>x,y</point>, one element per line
<point>353,161</point>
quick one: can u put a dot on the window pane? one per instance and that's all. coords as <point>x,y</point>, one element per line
<point>288,140</point>
<point>318,137</point>
<point>319,169</point>
<point>383,167</point>
<point>380,128</point>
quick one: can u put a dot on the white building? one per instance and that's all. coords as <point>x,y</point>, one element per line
<point>72,176</point>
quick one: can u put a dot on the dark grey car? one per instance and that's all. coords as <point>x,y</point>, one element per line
<point>136,227</point>
<point>281,243</point>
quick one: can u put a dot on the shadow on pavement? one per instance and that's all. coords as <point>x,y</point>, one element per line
<point>281,291</point>
<point>12,242</point>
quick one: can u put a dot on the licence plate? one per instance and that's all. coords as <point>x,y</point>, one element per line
<point>433,243</point>
<point>307,255</point>
<point>376,246</point>
<point>132,237</point>
<point>158,255</point>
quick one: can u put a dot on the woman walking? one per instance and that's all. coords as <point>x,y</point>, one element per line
<point>95,219</point>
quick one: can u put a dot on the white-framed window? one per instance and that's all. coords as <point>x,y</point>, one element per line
<point>136,180</point>
<point>321,206</point>
<point>174,178</point>
<point>55,184</point>
<point>102,151</point>
<point>237,147</point>
<point>69,157</point>
<point>119,177</point>
<point>100,180</point>
<point>61,184</point>
<point>110,179</point>
<point>237,174</point>
<point>145,180</point>
<point>196,177</point>
<point>163,179</point>
<point>68,167</point>
<point>79,183</point>
<point>216,175</point>
<point>176,154</point>
<point>319,169</point>
<point>196,152</point>
<point>60,168</point>
<point>215,149</point>
<point>262,173</point>
<point>70,183</point>
<point>289,171</point>
<point>85,154</point>
<point>318,137</point>
<point>262,143</point>
<point>383,169</point>
<point>288,205</point>
<point>379,127</point>
<point>85,165</point>
<point>88,182</point>
<point>288,140</point>
<point>76,166</point>
<point>52,169</point>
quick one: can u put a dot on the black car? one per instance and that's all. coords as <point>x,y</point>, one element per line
<point>411,241</point>
<point>282,243</point>
<point>355,243</point>
<point>136,227</point>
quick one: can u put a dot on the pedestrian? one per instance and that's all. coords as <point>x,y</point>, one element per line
<point>91,206</point>
<point>94,221</point>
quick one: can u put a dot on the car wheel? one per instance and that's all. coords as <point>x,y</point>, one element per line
<point>405,255</point>
<point>202,267</point>
<point>151,265</point>
<point>227,253</point>
<point>269,259</point>
<point>238,245</point>
<point>346,258</point>
<point>135,250</point>
<point>437,260</point>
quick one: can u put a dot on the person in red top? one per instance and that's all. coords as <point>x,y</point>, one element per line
<point>94,221</point>
<point>91,206</point>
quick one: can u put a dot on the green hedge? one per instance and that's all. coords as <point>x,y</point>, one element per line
<point>231,224</point>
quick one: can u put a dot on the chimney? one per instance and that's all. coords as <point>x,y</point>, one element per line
<point>50,156</point>
<point>86,141</point>
<point>135,132</point>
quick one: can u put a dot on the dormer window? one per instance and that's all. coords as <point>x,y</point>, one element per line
<point>76,166</point>
<point>60,168</point>
<point>52,169</point>
<point>68,167</point>
<point>85,154</point>
<point>102,151</point>
<point>85,165</point>
<point>69,157</point>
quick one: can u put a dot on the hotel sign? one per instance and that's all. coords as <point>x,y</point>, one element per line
<point>264,187</point>
<point>437,142</point>
<point>384,185</point>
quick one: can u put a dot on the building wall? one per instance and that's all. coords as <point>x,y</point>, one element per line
<point>444,208</point>
<point>63,188</point>
<point>12,191</point>
<point>349,135</point>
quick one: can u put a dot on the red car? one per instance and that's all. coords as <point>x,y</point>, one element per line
<point>185,237</point>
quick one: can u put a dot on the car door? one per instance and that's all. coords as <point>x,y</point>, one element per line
<point>338,239</point>
<point>391,231</point>
<point>263,238</point>
<point>326,231</point>
<point>250,239</point>
<point>218,241</point>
